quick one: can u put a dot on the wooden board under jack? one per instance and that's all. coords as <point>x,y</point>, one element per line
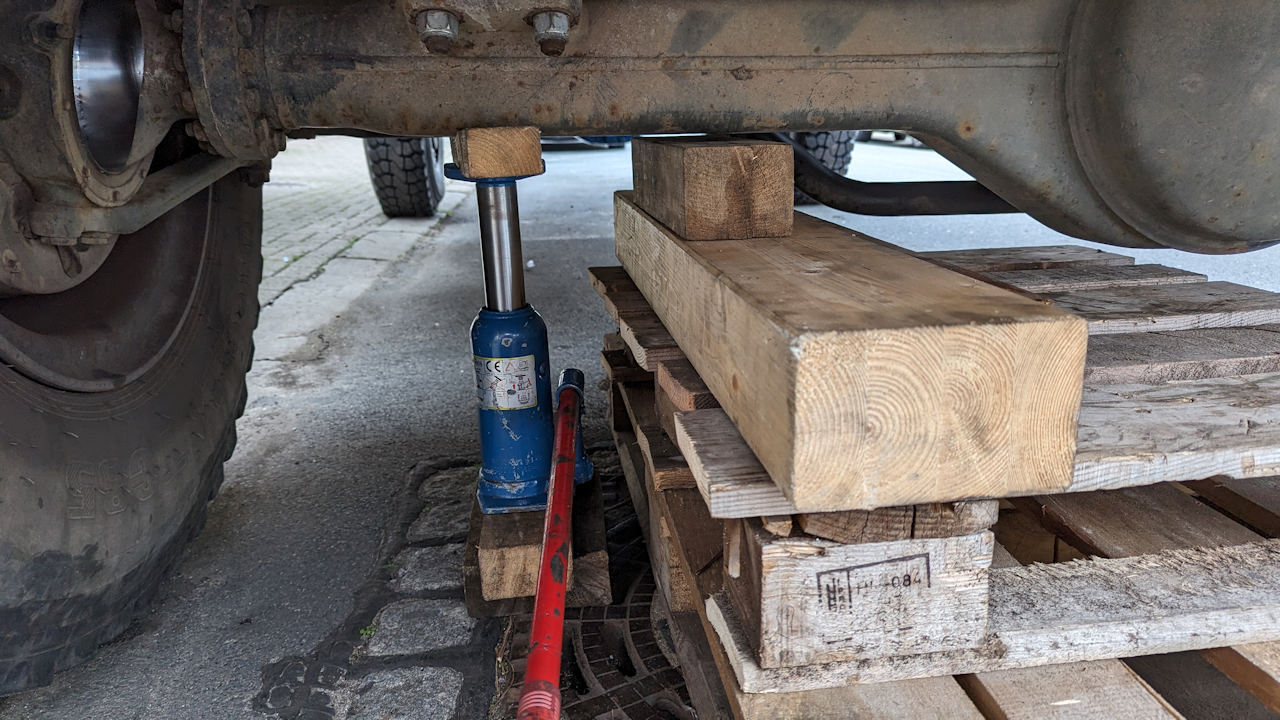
<point>499,549</point>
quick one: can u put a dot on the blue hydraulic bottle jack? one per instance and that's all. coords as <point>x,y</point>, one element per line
<point>512,364</point>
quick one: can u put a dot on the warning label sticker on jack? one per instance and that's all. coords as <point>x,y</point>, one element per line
<point>507,383</point>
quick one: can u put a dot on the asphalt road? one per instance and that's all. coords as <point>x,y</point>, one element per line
<point>363,371</point>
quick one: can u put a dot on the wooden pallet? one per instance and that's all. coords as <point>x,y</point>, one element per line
<point>1150,539</point>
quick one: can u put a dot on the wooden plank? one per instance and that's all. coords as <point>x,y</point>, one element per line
<point>938,697</point>
<point>1170,307</point>
<point>715,189</point>
<point>665,464</point>
<point>1185,599</point>
<point>1070,278</point>
<point>732,481</point>
<point>1026,258</point>
<point>1134,521</point>
<point>1083,691</point>
<point>861,376</point>
<point>641,330</point>
<point>1151,519</point>
<point>1156,357</point>
<point>1255,502</point>
<point>498,152</point>
<point>1101,688</point>
<point>684,386</point>
<point>1133,435</point>
<point>806,600</point>
<point>901,523</point>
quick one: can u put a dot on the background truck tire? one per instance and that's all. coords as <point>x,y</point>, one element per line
<point>407,174</point>
<point>833,149</point>
<point>100,491</point>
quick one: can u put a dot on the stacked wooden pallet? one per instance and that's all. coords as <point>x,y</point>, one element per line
<point>782,549</point>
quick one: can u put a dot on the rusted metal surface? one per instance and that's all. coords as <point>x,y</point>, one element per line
<point>160,193</point>
<point>984,82</point>
<point>1137,123</point>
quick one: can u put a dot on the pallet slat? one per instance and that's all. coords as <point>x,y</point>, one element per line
<point>1082,610</point>
<point>1134,521</point>
<point>1025,258</point>
<point>1170,307</point>
<point>1074,278</point>
<point>1157,357</point>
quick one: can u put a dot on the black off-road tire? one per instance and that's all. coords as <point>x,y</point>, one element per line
<point>833,149</point>
<point>100,491</point>
<point>407,174</point>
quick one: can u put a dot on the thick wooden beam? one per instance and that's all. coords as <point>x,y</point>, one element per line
<point>715,189</point>
<point>861,376</point>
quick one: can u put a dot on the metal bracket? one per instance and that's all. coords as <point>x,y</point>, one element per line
<point>160,193</point>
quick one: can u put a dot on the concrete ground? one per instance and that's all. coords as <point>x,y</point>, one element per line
<point>336,531</point>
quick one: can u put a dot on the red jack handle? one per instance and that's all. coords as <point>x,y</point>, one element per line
<point>540,694</point>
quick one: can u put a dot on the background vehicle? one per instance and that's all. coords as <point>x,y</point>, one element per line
<point>135,136</point>
<point>407,174</point>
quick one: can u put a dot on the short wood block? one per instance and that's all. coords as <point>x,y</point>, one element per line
<point>500,565</point>
<point>862,376</point>
<point>715,189</point>
<point>498,152</point>
<point>806,601</point>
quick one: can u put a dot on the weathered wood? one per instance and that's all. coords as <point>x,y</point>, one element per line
<point>1076,691</point>
<point>1255,502</point>
<point>1085,690</point>
<point>715,189</point>
<point>780,525</point>
<point>862,376</point>
<point>1026,258</point>
<point>684,386</point>
<point>500,565</point>
<point>1139,435</point>
<point>938,697</point>
<point>701,676</point>
<point>641,330</point>
<point>1170,307</point>
<point>732,481</point>
<point>619,364</point>
<point>1150,519</point>
<point>665,464</point>
<point>1157,357</point>
<point>807,601</point>
<point>666,412</point>
<point>1093,277</point>
<point>932,520</point>
<point>498,151</point>
<point>1134,521</point>
<point>1076,611</point>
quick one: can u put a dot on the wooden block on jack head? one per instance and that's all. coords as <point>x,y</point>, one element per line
<point>715,189</point>
<point>498,152</point>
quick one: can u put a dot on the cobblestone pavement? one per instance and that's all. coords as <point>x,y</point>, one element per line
<point>313,212</point>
